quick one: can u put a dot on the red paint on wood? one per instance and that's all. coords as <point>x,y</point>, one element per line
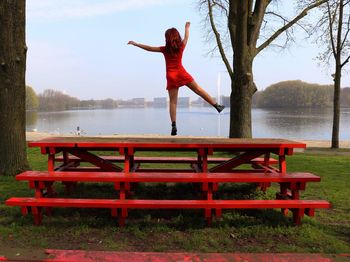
<point>164,204</point>
<point>174,160</point>
<point>161,142</point>
<point>93,256</point>
<point>169,177</point>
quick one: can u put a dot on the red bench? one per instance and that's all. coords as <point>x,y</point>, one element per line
<point>292,181</point>
<point>298,207</point>
<point>39,180</point>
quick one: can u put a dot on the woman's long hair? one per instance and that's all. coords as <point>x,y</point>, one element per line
<point>173,41</point>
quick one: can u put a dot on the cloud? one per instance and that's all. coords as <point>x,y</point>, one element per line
<point>68,9</point>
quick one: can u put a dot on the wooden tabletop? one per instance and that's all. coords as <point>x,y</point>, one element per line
<point>163,142</point>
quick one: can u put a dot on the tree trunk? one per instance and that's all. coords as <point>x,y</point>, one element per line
<point>242,85</point>
<point>337,78</point>
<point>336,108</point>
<point>242,92</point>
<point>13,157</point>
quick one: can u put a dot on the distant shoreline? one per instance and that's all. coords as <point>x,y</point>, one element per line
<point>33,136</point>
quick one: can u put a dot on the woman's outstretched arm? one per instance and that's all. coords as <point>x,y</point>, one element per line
<point>145,47</point>
<point>187,33</point>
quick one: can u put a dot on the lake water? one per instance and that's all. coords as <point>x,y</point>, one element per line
<point>195,121</point>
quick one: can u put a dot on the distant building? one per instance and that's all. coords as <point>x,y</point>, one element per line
<point>138,102</point>
<point>134,102</point>
<point>183,102</point>
<point>199,102</point>
<point>160,102</point>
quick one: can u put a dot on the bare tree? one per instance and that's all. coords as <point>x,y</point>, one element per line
<point>333,33</point>
<point>245,20</point>
<point>13,157</point>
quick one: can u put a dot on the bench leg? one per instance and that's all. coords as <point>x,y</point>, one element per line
<point>218,213</point>
<point>121,221</point>
<point>123,215</point>
<point>114,212</point>
<point>208,216</point>
<point>283,194</point>
<point>39,188</point>
<point>37,215</point>
<point>298,213</point>
<point>295,194</point>
<point>24,211</point>
<point>264,186</point>
<point>310,212</point>
<point>38,193</point>
<point>210,191</point>
<point>48,211</point>
<point>124,189</point>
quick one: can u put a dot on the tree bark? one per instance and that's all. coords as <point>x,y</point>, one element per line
<point>337,79</point>
<point>242,91</point>
<point>242,87</point>
<point>336,109</point>
<point>13,157</point>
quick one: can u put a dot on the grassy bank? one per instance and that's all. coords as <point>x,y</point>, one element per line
<point>238,231</point>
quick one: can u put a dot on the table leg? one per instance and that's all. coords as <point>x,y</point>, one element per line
<point>283,194</point>
<point>51,162</point>
<point>122,191</point>
<point>203,159</point>
<point>282,164</point>
<point>208,211</point>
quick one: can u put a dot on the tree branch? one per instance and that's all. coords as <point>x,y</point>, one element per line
<point>218,40</point>
<point>331,19</point>
<point>339,29</point>
<point>345,40</point>
<point>291,23</point>
<point>221,6</point>
<point>345,62</point>
<point>256,20</point>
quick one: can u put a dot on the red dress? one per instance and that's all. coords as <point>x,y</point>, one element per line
<point>176,74</point>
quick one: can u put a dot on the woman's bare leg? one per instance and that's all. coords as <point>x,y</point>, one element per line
<point>201,92</point>
<point>173,93</point>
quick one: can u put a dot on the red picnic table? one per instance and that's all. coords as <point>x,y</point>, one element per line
<point>243,151</point>
<point>124,166</point>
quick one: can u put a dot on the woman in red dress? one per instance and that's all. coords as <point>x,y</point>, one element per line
<point>176,74</point>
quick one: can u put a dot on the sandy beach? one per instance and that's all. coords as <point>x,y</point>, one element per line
<point>34,136</point>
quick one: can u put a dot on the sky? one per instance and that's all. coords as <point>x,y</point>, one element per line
<point>80,48</point>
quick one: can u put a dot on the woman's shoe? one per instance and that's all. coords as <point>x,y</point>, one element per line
<point>174,131</point>
<point>219,108</point>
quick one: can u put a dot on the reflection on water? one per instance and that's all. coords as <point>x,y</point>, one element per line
<point>307,123</point>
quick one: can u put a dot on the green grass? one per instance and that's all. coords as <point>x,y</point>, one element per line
<point>176,230</point>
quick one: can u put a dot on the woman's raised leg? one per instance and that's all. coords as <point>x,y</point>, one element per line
<point>202,93</point>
